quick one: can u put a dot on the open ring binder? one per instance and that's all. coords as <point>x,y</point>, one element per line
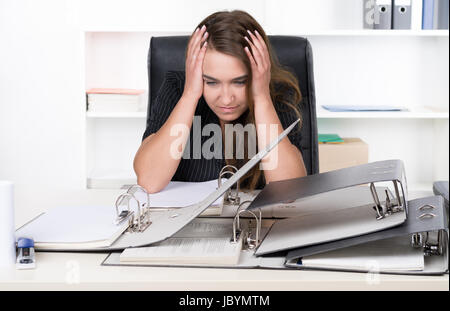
<point>229,198</point>
<point>371,173</point>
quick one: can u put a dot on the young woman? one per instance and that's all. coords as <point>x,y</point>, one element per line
<point>232,78</point>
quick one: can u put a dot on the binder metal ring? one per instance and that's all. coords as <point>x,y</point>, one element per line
<point>134,188</point>
<point>434,249</point>
<point>138,222</point>
<point>251,243</point>
<point>121,216</point>
<point>390,207</point>
<point>228,197</point>
<point>239,209</point>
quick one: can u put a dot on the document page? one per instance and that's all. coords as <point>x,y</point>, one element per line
<point>207,228</point>
<point>187,251</point>
<point>203,241</point>
<point>181,194</point>
<point>74,227</point>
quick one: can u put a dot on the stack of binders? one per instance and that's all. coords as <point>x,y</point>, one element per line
<point>327,221</point>
<point>398,14</point>
<point>390,235</point>
<point>379,233</point>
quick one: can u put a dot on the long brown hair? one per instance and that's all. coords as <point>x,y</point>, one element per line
<point>226,35</point>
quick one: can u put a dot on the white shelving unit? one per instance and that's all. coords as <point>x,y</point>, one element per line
<point>407,68</point>
<point>126,115</point>
<point>374,33</point>
<point>413,113</point>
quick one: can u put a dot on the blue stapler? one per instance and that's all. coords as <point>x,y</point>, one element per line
<point>25,256</point>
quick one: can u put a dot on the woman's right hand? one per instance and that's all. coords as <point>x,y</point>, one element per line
<point>193,87</point>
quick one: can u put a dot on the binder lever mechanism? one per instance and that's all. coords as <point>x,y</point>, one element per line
<point>138,221</point>
<point>389,207</point>
<point>229,197</point>
<point>423,239</point>
<point>251,241</point>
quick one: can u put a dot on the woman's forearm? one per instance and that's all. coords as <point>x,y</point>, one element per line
<point>159,155</point>
<point>285,161</point>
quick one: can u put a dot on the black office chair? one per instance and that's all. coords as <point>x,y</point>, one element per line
<point>294,53</point>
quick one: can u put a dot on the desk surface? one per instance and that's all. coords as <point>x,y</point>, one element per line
<point>76,271</point>
<point>82,271</point>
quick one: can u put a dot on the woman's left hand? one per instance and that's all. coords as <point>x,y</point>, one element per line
<point>260,64</point>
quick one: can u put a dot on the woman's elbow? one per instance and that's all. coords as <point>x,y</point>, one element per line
<point>152,185</point>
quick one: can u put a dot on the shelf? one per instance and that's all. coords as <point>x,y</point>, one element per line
<point>413,113</point>
<point>154,31</point>
<point>378,32</point>
<point>110,179</point>
<point>131,115</point>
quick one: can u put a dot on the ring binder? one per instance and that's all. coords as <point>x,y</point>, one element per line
<point>142,220</point>
<point>428,236</point>
<point>228,197</point>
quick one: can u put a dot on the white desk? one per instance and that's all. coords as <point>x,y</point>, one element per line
<point>70,271</point>
<point>82,271</point>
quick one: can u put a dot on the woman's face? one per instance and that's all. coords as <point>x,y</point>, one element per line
<point>225,85</point>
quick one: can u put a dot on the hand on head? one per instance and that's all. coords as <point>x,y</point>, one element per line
<point>260,64</point>
<point>194,62</point>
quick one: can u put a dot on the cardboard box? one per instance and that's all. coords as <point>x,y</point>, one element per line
<point>353,151</point>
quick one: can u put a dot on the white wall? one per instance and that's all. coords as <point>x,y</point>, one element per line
<point>40,117</point>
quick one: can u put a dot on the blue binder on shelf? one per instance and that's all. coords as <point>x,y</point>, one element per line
<point>427,14</point>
